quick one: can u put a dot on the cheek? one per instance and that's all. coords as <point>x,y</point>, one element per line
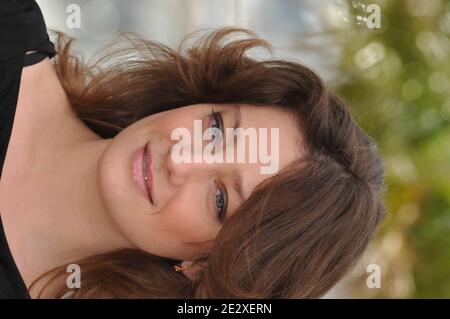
<point>188,221</point>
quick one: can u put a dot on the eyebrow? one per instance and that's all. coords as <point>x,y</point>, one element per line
<point>237,116</point>
<point>236,174</point>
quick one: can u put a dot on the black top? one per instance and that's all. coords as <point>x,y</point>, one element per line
<point>22,29</point>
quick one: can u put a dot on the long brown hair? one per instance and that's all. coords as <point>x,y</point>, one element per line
<point>299,231</point>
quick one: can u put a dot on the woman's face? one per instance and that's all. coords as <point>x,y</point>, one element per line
<point>188,197</point>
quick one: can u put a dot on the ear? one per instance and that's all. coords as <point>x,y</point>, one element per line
<point>190,270</point>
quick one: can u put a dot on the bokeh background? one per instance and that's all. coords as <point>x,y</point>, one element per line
<point>396,79</point>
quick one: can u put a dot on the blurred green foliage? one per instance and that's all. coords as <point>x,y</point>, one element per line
<point>397,80</point>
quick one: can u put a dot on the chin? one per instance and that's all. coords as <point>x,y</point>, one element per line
<point>117,191</point>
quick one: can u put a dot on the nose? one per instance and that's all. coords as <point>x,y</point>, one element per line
<point>182,170</point>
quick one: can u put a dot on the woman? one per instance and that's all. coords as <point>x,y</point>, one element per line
<point>69,190</point>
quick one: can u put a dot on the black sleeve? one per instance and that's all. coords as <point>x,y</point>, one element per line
<point>14,30</point>
<point>22,29</point>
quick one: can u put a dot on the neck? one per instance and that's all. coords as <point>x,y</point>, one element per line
<point>61,215</point>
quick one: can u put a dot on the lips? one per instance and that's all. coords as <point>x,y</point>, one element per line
<point>142,171</point>
<point>147,167</point>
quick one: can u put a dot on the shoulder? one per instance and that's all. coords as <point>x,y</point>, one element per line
<point>42,101</point>
<point>39,77</point>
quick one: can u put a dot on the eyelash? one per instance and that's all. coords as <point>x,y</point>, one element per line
<point>219,193</point>
<point>217,118</point>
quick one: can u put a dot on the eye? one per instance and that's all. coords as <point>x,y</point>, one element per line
<point>220,202</point>
<point>216,122</point>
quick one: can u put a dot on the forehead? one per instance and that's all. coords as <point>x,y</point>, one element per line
<point>290,143</point>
